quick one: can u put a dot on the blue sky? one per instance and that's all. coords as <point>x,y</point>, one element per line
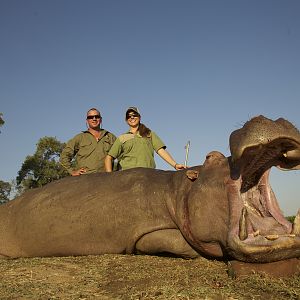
<point>196,69</point>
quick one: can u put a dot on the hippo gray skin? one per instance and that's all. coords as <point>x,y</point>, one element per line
<point>224,208</point>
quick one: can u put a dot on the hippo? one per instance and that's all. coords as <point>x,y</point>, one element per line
<point>224,208</point>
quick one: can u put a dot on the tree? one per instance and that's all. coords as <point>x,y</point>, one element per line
<point>291,218</point>
<point>5,189</point>
<point>43,166</point>
<point>1,120</point>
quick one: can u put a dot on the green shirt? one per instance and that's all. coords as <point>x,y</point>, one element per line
<point>87,151</point>
<point>133,150</point>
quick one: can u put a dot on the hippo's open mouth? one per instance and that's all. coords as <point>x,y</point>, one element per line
<point>258,230</point>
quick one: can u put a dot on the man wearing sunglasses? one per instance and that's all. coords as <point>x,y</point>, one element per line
<point>85,153</point>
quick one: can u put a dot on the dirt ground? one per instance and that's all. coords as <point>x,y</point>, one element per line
<point>135,277</point>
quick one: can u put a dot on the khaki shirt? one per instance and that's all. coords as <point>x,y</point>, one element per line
<point>133,150</point>
<point>87,152</point>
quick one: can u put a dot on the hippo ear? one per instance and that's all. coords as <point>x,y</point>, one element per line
<point>192,174</point>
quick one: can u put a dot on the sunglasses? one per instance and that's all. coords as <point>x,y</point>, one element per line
<point>92,117</point>
<point>132,116</point>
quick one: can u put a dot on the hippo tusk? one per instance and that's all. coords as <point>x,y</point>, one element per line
<point>296,225</point>
<point>243,234</point>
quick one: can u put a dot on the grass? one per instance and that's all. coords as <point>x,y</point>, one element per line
<point>134,277</point>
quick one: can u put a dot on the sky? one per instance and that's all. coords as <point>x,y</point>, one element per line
<point>196,69</point>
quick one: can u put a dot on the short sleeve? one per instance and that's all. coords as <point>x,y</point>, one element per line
<point>157,142</point>
<point>116,149</point>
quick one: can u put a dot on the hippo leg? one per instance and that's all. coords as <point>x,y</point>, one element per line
<point>165,241</point>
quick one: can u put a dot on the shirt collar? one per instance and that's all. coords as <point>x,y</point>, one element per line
<point>137,134</point>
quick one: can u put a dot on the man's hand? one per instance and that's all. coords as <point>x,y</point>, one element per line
<point>79,172</point>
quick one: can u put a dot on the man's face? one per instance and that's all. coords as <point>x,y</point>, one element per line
<point>93,119</point>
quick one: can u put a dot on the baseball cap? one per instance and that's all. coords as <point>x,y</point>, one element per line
<point>133,108</point>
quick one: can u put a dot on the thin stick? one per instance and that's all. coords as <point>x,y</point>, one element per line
<point>187,149</point>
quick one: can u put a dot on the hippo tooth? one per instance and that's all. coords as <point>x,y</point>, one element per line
<point>296,225</point>
<point>272,237</point>
<point>292,154</point>
<point>243,234</point>
<point>256,233</point>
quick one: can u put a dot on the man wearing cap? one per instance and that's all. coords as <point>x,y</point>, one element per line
<point>88,148</point>
<point>136,147</point>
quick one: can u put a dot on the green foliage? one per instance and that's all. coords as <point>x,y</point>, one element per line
<point>43,166</point>
<point>5,189</point>
<point>1,120</point>
<point>291,218</point>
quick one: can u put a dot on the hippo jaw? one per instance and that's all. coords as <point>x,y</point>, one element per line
<point>258,231</point>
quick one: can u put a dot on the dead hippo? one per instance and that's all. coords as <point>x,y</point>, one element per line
<point>224,208</point>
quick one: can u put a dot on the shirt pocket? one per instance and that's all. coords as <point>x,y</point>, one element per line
<point>85,148</point>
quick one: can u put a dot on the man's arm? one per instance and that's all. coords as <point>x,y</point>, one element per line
<point>66,158</point>
<point>108,163</point>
